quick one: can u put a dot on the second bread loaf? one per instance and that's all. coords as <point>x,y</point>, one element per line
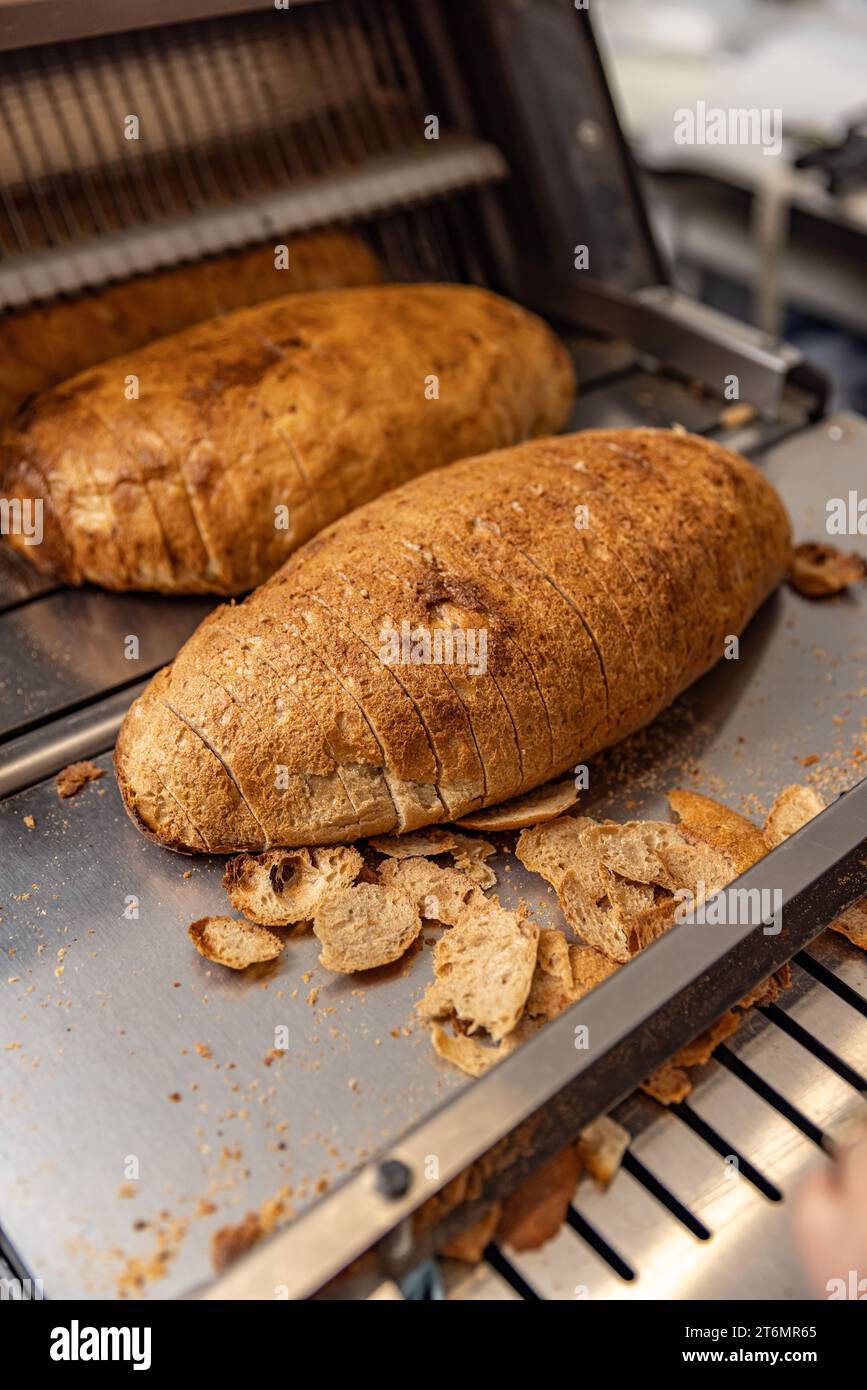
<point>199,463</point>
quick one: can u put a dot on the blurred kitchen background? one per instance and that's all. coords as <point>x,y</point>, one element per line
<point>778,240</point>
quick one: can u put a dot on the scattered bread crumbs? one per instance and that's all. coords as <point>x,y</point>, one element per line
<point>126,1190</point>
<point>274,1055</point>
<point>313,996</point>
<point>229,1242</point>
<point>203,1050</point>
<point>71,780</point>
<point>30,822</point>
<point>175,1096</point>
<point>138,1272</point>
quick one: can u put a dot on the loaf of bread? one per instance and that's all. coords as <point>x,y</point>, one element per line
<point>248,434</point>
<point>42,346</point>
<point>457,642</point>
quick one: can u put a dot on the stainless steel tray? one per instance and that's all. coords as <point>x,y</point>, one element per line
<point>98,1051</point>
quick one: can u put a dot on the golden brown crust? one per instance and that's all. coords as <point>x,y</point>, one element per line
<point>40,347</point>
<point>413,735</point>
<point>280,418</point>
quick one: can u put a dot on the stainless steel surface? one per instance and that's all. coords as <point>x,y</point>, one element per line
<point>678,332</point>
<point>19,581</point>
<point>116,1038</point>
<point>48,749</point>
<point>68,647</point>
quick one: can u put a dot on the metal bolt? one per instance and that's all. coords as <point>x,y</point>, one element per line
<point>589,134</point>
<point>393,1179</point>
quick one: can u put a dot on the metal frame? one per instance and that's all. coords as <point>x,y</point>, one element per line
<point>546,1091</point>
<point>683,334</point>
<point>24,23</point>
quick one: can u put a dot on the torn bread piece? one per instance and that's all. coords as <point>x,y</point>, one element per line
<point>708,822</point>
<point>550,849</point>
<point>365,926</point>
<point>792,809</point>
<point>656,852</point>
<point>471,1243</point>
<point>483,968</point>
<point>605,908</point>
<point>440,895</point>
<point>821,570</point>
<point>536,1210</point>
<point>671,1082</point>
<point>552,988</point>
<point>536,807</point>
<point>853,923</point>
<point>283,886</point>
<point>589,969</point>
<point>632,849</point>
<point>415,844</point>
<point>469,852</point>
<point>601,1146</point>
<point>71,780</point>
<point>473,1055</point>
<point>233,942</point>
<point>562,974</point>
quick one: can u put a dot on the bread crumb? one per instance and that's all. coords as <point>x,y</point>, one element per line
<point>71,780</point>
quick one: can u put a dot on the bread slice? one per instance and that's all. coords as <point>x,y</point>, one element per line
<point>708,822</point>
<point>283,886</point>
<point>534,808</point>
<point>417,844</point>
<point>226,941</point>
<point>365,926</point>
<point>484,968</point>
<point>550,849</point>
<point>791,810</point>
